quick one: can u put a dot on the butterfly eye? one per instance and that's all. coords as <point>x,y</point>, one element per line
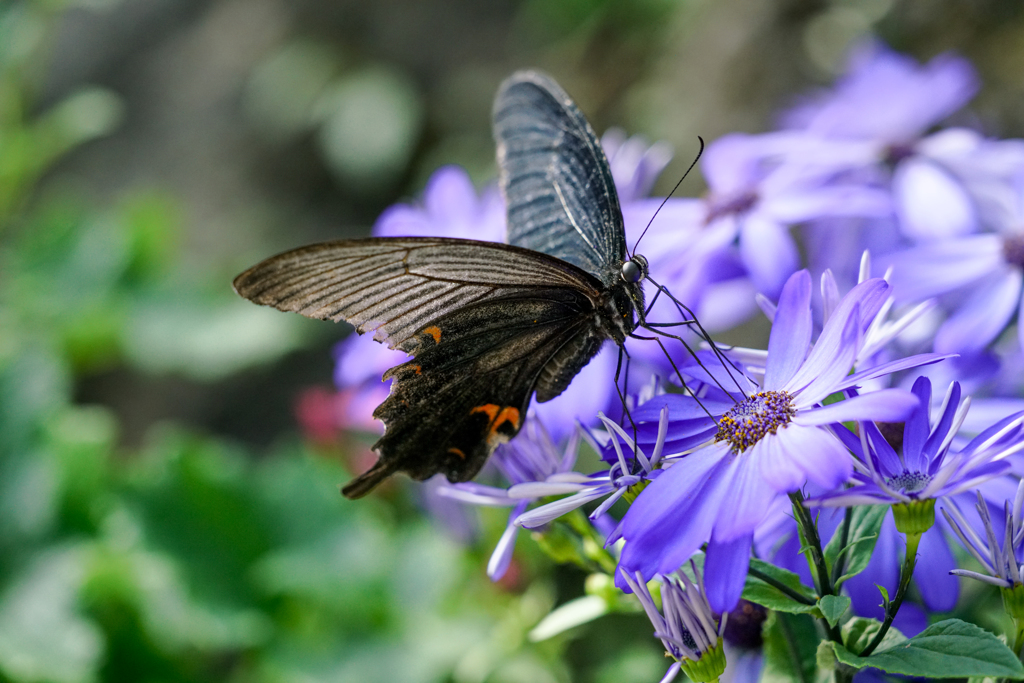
<point>634,270</point>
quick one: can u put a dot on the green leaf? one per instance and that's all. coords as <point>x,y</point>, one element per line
<point>859,631</point>
<point>43,636</point>
<point>865,524</point>
<point>790,648</point>
<point>948,649</point>
<point>832,607</point>
<point>763,593</point>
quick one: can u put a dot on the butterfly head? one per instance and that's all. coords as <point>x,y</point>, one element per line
<point>634,270</point>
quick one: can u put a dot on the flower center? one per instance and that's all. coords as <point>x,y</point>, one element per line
<point>1013,250</point>
<point>737,204</point>
<point>909,482</point>
<point>750,420</point>
<point>897,152</point>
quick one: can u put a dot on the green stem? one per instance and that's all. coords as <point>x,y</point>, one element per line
<point>1018,641</point>
<point>822,580</point>
<point>781,587</point>
<point>906,573</point>
<point>844,537</point>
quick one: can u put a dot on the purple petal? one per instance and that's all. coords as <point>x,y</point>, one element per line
<point>829,294</point>
<point>838,200</point>
<point>674,515</point>
<point>825,371</point>
<point>886,456</point>
<point>939,268</point>
<point>545,513</point>
<point>885,405</point>
<point>791,331</point>
<point>729,163</point>
<point>451,199</point>
<point>983,316</point>
<point>502,555</point>
<point>402,220</point>
<point>749,498</point>
<point>945,421</point>
<point>769,252</point>
<point>858,378</point>
<point>725,572</point>
<point>358,359</point>
<point>868,296</point>
<point>818,453</point>
<point>931,204</point>
<point>904,98</point>
<point>776,465</point>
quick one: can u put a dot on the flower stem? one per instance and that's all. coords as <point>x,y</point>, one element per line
<point>844,538</point>
<point>822,580</point>
<point>906,573</point>
<point>1018,641</point>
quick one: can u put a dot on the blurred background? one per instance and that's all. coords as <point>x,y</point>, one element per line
<point>168,460</point>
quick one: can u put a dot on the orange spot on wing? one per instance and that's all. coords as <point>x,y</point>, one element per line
<point>418,369</point>
<point>490,409</point>
<point>496,418</point>
<point>456,451</point>
<point>435,332</point>
<point>508,414</point>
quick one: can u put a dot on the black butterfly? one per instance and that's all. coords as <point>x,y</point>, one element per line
<point>487,324</point>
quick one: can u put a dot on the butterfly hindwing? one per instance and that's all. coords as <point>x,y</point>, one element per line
<point>555,177</point>
<point>469,385</point>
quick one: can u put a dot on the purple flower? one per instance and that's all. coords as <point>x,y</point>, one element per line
<point>531,457</point>
<point>686,624</point>
<point>611,484</point>
<point>774,439</point>
<point>979,276</point>
<point>451,207</point>
<point>924,468</point>
<point>938,182</point>
<point>903,98</point>
<point>1001,551</point>
<point>754,198</point>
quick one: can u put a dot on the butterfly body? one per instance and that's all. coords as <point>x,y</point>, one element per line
<point>488,325</point>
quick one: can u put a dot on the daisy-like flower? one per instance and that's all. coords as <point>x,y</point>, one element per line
<point>1001,551</point>
<point>686,625</point>
<point>772,441</point>
<point>905,100</point>
<point>611,484</point>
<point>631,467</point>
<point>754,199</point>
<point>530,457</point>
<point>980,276</point>
<point>923,468</point>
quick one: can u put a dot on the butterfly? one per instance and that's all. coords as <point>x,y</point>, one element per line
<point>488,325</point>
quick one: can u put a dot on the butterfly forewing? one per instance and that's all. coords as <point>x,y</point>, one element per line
<point>555,177</point>
<point>396,286</point>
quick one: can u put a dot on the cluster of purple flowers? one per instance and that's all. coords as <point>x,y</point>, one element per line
<point>839,411</point>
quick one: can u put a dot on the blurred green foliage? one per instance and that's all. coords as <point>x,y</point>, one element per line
<point>188,559</point>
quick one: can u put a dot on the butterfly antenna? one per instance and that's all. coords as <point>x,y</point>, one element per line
<point>663,201</point>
